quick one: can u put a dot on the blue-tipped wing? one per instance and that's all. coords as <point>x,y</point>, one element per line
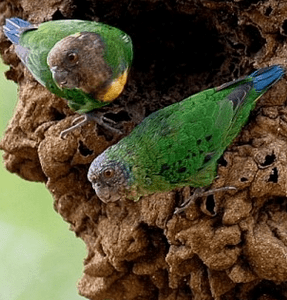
<point>265,77</point>
<point>14,27</point>
<point>242,97</point>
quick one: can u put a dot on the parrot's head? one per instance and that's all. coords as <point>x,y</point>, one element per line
<point>77,61</point>
<point>110,178</point>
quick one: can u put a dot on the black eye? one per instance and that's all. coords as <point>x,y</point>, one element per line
<point>73,57</point>
<point>109,173</point>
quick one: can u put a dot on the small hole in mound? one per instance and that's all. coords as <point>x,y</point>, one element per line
<point>222,162</point>
<point>56,115</point>
<point>84,150</point>
<point>243,179</point>
<point>284,27</point>
<point>269,159</point>
<point>268,11</point>
<point>210,204</point>
<point>119,117</point>
<point>273,176</point>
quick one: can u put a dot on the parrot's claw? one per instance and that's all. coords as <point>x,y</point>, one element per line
<point>199,192</point>
<point>79,120</point>
<point>112,129</point>
<point>104,122</point>
<point>76,124</point>
<point>82,120</point>
<point>109,120</point>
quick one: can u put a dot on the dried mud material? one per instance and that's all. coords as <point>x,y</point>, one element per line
<point>232,245</point>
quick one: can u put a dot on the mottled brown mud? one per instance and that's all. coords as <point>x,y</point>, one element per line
<point>141,250</point>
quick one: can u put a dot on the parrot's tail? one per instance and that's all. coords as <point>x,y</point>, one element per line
<point>245,95</point>
<point>14,27</point>
<point>264,78</point>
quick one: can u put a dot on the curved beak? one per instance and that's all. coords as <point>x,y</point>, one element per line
<point>59,76</point>
<point>105,194</point>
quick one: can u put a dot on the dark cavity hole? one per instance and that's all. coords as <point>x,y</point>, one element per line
<point>84,150</point>
<point>57,116</point>
<point>166,50</point>
<point>273,176</point>
<point>268,11</point>
<point>210,204</point>
<point>119,117</point>
<point>284,27</point>
<point>254,39</point>
<point>243,179</point>
<point>222,162</point>
<point>267,288</point>
<point>269,159</point>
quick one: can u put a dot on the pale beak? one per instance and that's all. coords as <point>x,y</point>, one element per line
<point>59,76</point>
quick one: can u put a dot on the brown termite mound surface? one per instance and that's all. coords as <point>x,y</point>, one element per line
<point>232,245</point>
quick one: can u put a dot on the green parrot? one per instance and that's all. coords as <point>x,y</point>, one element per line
<point>180,144</point>
<point>84,62</point>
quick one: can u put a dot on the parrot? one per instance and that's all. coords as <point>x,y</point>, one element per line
<point>180,144</point>
<point>84,62</point>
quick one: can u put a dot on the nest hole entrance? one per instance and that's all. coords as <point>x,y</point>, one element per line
<point>177,46</point>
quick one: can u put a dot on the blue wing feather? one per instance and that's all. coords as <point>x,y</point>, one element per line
<point>263,78</point>
<point>14,27</point>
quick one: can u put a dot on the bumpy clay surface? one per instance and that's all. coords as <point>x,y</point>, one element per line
<point>232,245</point>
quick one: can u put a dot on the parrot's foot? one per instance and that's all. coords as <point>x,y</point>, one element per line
<point>82,120</point>
<point>199,192</point>
<point>103,121</point>
<point>78,122</point>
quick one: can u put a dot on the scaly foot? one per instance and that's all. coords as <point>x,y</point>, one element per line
<point>199,192</point>
<point>82,120</point>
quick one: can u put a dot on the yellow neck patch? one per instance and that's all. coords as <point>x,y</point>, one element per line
<point>114,89</point>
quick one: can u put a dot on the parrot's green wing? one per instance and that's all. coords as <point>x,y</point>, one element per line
<point>186,149</point>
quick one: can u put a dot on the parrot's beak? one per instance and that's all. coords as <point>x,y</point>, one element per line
<point>105,194</point>
<point>60,77</point>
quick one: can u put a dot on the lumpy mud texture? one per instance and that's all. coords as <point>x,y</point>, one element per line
<point>232,245</point>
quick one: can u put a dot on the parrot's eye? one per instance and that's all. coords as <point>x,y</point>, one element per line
<point>108,173</point>
<point>73,57</point>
